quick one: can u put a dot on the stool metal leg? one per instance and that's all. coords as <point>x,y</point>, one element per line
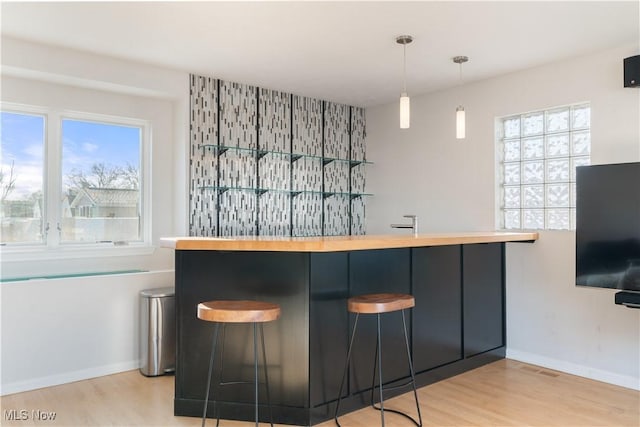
<point>346,368</point>
<point>255,370</point>
<point>213,353</point>
<point>412,381</point>
<point>380,371</point>
<point>413,377</point>
<point>223,331</point>
<point>221,382</point>
<point>373,374</point>
<point>255,367</point>
<point>266,377</point>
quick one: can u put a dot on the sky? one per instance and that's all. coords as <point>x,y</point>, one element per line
<point>85,143</point>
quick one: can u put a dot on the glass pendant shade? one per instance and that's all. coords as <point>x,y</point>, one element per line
<point>405,111</point>
<point>405,103</point>
<point>460,123</point>
<point>460,116</point>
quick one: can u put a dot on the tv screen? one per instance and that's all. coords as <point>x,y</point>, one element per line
<point>608,226</point>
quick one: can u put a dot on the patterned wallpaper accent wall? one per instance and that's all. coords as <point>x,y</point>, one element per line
<point>307,126</point>
<point>358,134</point>
<point>274,122</point>
<point>336,173</point>
<point>336,131</point>
<point>238,111</point>
<point>203,200</point>
<point>264,162</point>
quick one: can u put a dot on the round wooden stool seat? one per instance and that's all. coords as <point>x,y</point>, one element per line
<point>380,303</point>
<point>238,311</point>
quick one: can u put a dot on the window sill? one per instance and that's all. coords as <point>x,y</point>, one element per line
<point>17,254</point>
<point>535,230</point>
<point>69,275</point>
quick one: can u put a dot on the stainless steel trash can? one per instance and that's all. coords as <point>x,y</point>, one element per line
<point>157,331</point>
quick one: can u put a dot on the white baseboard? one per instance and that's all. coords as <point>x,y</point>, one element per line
<point>67,377</point>
<point>574,369</point>
<point>521,356</point>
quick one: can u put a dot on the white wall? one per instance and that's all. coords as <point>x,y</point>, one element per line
<point>450,185</point>
<point>63,330</point>
<point>56,331</point>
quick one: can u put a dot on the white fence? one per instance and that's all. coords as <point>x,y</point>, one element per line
<point>14,230</point>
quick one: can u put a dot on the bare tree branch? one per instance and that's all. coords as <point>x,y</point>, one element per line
<point>131,176</point>
<point>105,176</point>
<point>7,183</point>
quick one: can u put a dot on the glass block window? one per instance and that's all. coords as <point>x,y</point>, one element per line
<point>538,153</point>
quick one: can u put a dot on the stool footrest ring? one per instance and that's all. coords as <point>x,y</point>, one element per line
<point>386,388</point>
<point>399,413</point>
<point>241,383</point>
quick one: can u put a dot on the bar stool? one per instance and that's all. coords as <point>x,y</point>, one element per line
<point>378,304</point>
<point>223,312</point>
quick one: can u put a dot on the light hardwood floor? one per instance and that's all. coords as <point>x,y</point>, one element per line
<point>504,393</point>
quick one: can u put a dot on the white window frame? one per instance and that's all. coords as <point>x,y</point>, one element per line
<point>51,247</point>
<point>499,162</point>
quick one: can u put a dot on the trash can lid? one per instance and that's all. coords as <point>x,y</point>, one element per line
<point>158,292</point>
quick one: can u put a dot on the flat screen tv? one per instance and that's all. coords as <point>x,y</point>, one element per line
<point>608,226</point>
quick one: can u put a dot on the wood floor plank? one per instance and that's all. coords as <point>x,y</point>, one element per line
<point>504,393</point>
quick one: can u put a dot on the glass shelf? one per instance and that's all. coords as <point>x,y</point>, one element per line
<point>293,193</point>
<point>320,235</point>
<point>295,157</point>
<point>352,163</point>
<point>354,195</point>
<point>259,191</point>
<point>343,194</point>
<point>221,149</point>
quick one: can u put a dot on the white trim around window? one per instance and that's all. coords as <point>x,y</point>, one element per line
<point>52,247</point>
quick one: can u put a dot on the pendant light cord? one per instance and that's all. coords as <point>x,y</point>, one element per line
<point>404,68</point>
<point>460,60</point>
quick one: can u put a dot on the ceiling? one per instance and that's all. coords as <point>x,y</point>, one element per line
<point>340,51</point>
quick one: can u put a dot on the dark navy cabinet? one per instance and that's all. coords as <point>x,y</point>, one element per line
<point>483,300</point>
<point>437,288</point>
<point>328,324</point>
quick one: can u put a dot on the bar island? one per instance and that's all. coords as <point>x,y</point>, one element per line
<point>458,323</point>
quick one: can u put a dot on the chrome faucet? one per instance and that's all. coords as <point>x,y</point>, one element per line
<point>413,225</point>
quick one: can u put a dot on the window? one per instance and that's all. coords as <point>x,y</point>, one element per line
<point>538,154</point>
<point>21,177</point>
<point>71,178</point>
<point>100,182</point>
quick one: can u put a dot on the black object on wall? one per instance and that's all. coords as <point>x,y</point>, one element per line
<point>608,227</point>
<point>628,299</point>
<point>632,71</point>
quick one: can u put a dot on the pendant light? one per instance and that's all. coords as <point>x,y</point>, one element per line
<point>405,103</point>
<point>460,116</point>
